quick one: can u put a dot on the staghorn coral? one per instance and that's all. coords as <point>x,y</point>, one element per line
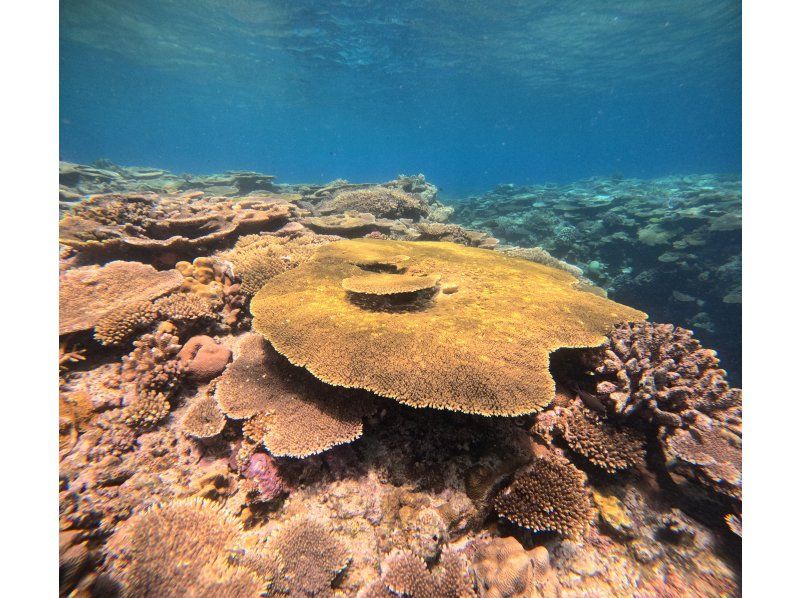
<point>503,569</point>
<point>405,574</point>
<point>308,555</point>
<point>203,358</point>
<point>203,418</point>
<point>658,372</point>
<point>257,258</point>
<point>549,496</point>
<point>378,201</point>
<point>89,293</point>
<point>67,356</point>
<point>484,348</point>
<point>118,326</point>
<point>608,447</point>
<point>295,414</point>
<point>180,548</point>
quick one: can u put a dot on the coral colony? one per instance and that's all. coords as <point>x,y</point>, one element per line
<point>337,390</point>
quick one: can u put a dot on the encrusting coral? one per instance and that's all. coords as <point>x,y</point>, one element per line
<point>181,549</point>
<point>89,293</point>
<point>503,569</point>
<point>405,574</point>
<point>293,413</point>
<point>482,348</point>
<point>549,496</point>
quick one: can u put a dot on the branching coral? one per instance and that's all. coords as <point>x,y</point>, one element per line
<point>295,414</point>
<point>610,447</point>
<point>309,557</point>
<point>549,496</point>
<point>120,325</point>
<point>378,201</point>
<point>88,294</point>
<point>405,574</point>
<point>484,348</point>
<point>181,549</point>
<point>503,569</point>
<point>257,258</point>
<point>156,372</point>
<point>660,373</point>
<point>185,308</point>
<point>212,279</point>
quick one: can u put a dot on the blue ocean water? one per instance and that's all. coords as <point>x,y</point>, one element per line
<point>472,93</point>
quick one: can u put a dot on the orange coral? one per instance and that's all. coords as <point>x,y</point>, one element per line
<point>484,348</point>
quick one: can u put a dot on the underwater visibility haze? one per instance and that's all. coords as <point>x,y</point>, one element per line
<point>425,298</point>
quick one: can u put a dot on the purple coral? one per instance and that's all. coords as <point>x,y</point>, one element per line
<point>263,470</point>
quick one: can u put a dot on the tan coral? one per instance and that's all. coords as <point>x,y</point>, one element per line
<point>378,201</point>
<point>482,349</point>
<point>503,569</point>
<point>87,294</point>
<point>257,258</point>
<point>389,284</point>
<point>549,496</point>
<point>120,325</point>
<point>180,549</point>
<point>298,414</point>
<point>203,358</point>
<point>406,574</point>
<point>203,418</point>
<point>309,556</point>
<point>183,308</point>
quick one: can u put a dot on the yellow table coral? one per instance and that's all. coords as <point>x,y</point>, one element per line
<point>484,348</point>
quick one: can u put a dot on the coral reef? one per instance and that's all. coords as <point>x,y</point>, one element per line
<point>549,496</point>
<point>435,354</point>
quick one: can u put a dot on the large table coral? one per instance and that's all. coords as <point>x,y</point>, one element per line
<point>480,343</point>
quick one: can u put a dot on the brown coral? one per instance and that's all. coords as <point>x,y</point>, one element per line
<point>503,569</point>
<point>118,326</point>
<point>89,293</point>
<point>378,201</point>
<point>609,447</point>
<point>203,418</point>
<point>484,348</point>
<point>181,549</point>
<point>549,496</point>
<point>203,358</point>
<point>405,574</point>
<point>185,308</point>
<point>309,557</point>
<point>435,231</point>
<point>351,224</point>
<point>296,414</point>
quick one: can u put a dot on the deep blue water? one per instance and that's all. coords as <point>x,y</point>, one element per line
<point>471,93</point>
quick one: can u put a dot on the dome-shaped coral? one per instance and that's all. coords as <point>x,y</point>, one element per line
<point>295,414</point>
<point>484,348</point>
<point>549,496</point>
<point>180,549</point>
<point>503,569</point>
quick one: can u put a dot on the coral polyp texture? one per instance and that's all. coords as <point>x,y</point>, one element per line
<point>292,413</point>
<point>179,549</point>
<point>336,440</point>
<point>549,496</point>
<point>482,349</point>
